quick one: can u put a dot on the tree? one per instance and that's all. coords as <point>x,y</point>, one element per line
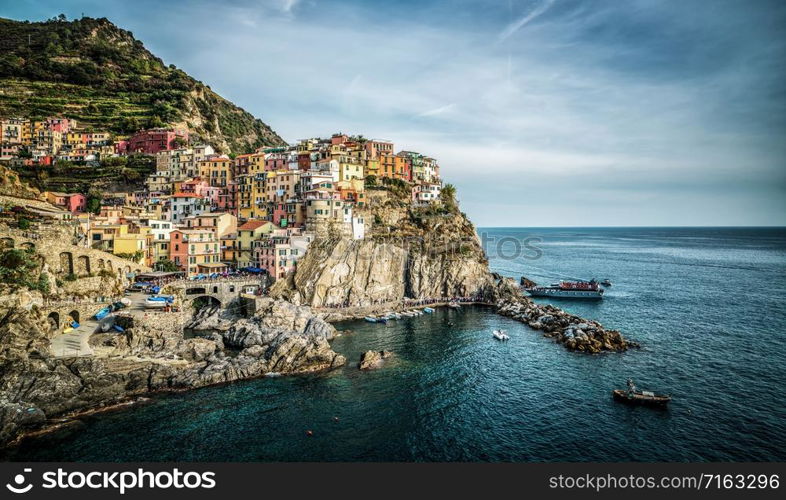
<point>23,224</point>
<point>166,265</point>
<point>448,196</point>
<point>93,205</point>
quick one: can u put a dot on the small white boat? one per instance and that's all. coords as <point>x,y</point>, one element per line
<point>370,319</point>
<point>428,310</point>
<point>454,305</point>
<point>157,302</point>
<point>500,335</point>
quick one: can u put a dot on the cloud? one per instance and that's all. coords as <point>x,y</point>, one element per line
<point>514,27</point>
<point>616,101</point>
<point>438,111</point>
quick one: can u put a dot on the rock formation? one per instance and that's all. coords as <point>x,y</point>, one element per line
<point>423,256</point>
<point>573,332</point>
<point>370,360</point>
<point>151,355</point>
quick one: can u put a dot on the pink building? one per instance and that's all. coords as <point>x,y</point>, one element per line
<point>62,125</point>
<point>155,140</point>
<point>76,203</point>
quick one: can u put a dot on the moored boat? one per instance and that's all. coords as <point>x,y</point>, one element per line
<point>102,313</point>
<point>569,290</point>
<point>428,310</point>
<point>633,396</point>
<point>370,319</point>
<point>500,335</point>
<point>158,301</point>
<point>454,305</point>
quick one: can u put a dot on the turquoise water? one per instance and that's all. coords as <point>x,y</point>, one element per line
<point>707,306</point>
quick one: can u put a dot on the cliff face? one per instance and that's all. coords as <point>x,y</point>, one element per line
<point>426,254</point>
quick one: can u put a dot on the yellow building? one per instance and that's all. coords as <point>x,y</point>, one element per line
<point>11,130</point>
<point>131,245</point>
<point>349,168</point>
<point>216,171</point>
<point>247,234</point>
<point>372,167</point>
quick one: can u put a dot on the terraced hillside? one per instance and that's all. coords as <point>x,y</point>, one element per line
<point>91,70</point>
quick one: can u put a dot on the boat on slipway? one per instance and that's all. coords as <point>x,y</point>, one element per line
<point>158,301</point>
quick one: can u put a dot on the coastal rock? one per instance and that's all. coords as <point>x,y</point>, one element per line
<point>572,332</point>
<point>370,360</point>
<point>151,355</point>
<point>198,349</point>
<point>440,256</point>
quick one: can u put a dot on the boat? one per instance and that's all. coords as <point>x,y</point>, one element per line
<point>370,319</point>
<point>568,290</point>
<point>102,313</point>
<point>428,310</point>
<point>606,282</point>
<point>158,301</point>
<point>500,335</point>
<point>633,396</point>
<point>454,305</point>
<point>119,328</point>
<point>125,301</point>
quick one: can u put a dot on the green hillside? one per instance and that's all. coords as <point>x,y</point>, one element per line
<point>92,71</point>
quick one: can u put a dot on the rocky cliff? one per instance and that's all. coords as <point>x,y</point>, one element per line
<point>151,355</point>
<point>415,253</point>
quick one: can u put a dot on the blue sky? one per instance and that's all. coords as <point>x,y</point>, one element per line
<point>541,112</point>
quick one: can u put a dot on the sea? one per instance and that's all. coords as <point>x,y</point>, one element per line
<point>708,306</point>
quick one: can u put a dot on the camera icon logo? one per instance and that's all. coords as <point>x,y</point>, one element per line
<point>19,483</point>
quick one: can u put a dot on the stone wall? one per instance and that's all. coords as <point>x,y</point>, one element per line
<point>62,257</point>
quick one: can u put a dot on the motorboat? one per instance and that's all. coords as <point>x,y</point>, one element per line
<point>500,335</point>
<point>454,305</point>
<point>370,319</point>
<point>428,310</point>
<point>634,396</point>
<point>606,282</point>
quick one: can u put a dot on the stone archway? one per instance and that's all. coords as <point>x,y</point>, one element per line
<point>74,315</point>
<point>205,301</point>
<point>83,265</point>
<point>28,245</point>
<point>54,320</point>
<point>66,263</point>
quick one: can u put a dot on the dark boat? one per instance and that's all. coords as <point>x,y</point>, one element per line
<point>568,290</point>
<point>606,282</point>
<point>633,396</point>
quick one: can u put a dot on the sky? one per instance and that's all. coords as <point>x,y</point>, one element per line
<point>541,112</point>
